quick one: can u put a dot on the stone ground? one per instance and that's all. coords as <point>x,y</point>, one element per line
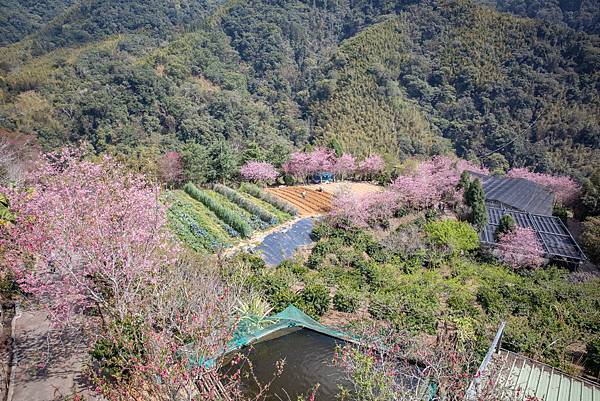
<point>48,365</point>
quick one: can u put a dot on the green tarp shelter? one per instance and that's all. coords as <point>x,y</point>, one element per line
<point>252,330</point>
<point>291,318</point>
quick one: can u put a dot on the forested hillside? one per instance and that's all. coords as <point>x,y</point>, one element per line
<point>400,78</point>
<point>583,15</point>
<point>484,80</point>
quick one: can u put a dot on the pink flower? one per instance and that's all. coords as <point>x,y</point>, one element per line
<point>345,165</point>
<point>520,249</point>
<point>565,188</point>
<point>259,172</point>
<point>84,230</point>
<point>371,165</point>
<point>432,182</point>
<point>349,209</point>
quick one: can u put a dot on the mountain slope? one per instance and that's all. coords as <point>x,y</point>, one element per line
<point>485,80</point>
<point>392,77</point>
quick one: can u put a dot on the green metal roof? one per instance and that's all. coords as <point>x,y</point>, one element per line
<point>531,378</point>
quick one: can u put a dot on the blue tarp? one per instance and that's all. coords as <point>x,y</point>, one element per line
<point>282,245</point>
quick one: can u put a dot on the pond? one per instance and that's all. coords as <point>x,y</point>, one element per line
<point>308,360</point>
<point>281,245</point>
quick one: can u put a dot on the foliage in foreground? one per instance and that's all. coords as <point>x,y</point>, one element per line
<point>415,287</point>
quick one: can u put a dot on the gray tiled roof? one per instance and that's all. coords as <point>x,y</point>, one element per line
<point>554,236</point>
<point>517,193</point>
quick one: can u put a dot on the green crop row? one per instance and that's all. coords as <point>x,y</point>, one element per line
<point>281,216</point>
<point>227,215</point>
<point>246,204</point>
<point>195,226</point>
<point>282,205</point>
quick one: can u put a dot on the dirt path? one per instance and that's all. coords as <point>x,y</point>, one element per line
<point>47,365</point>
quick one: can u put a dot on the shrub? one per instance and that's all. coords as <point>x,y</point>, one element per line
<point>282,205</point>
<point>590,238</point>
<point>282,299</point>
<point>457,235</point>
<point>593,356</point>
<point>346,300</point>
<point>296,268</point>
<point>114,358</point>
<point>255,262</point>
<point>246,204</point>
<point>314,299</point>
<point>229,217</point>
<point>270,284</point>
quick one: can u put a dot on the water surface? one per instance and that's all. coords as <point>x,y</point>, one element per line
<point>308,360</point>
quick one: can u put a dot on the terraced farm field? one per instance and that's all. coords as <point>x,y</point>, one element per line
<point>210,220</point>
<point>308,201</point>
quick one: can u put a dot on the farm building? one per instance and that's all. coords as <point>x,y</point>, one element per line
<point>530,205</point>
<point>507,373</point>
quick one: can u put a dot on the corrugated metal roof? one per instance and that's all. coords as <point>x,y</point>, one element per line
<point>531,378</point>
<point>518,193</point>
<point>554,236</point>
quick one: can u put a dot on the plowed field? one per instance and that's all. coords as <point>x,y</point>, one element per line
<point>308,201</point>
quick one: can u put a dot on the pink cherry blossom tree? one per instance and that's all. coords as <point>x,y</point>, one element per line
<point>259,172</point>
<point>87,234</point>
<point>371,166</point>
<point>321,160</point>
<point>344,166</point>
<point>170,168</point>
<point>298,166</point>
<point>565,188</point>
<point>352,210</point>
<point>432,182</point>
<point>520,249</point>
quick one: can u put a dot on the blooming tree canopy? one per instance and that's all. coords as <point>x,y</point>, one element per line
<point>368,210</point>
<point>432,181</point>
<point>520,248</point>
<point>259,172</point>
<point>344,165</point>
<point>87,234</point>
<point>170,168</point>
<point>371,166</point>
<point>321,160</point>
<point>298,165</point>
<point>565,188</point>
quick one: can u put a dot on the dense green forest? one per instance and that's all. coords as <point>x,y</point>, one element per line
<point>400,78</point>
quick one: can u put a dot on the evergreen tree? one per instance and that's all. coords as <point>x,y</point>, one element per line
<point>465,181</point>
<point>334,145</point>
<point>253,152</point>
<point>507,224</point>
<point>221,162</point>
<point>195,162</point>
<point>475,198</point>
